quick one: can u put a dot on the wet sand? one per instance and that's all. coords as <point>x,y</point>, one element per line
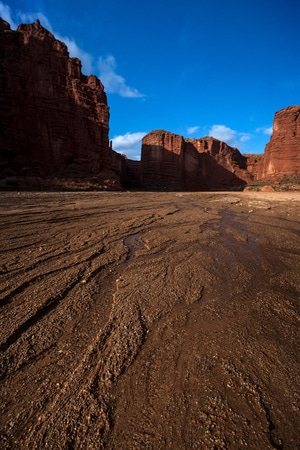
<point>150,320</point>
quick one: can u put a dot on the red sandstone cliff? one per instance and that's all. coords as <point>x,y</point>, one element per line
<point>254,164</point>
<point>54,120</point>
<point>162,162</point>
<point>171,162</point>
<point>282,153</point>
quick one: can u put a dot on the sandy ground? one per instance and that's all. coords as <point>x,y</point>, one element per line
<point>150,320</point>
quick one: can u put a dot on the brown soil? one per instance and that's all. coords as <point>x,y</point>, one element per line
<point>150,320</point>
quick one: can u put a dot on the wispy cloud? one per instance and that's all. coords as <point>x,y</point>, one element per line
<point>114,83</point>
<point>243,137</point>
<point>28,17</point>
<point>75,51</point>
<point>223,133</point>
<point>228,135</point>
<point>129,143</point>
<point>192,130</point>
<point>31,17</point>
<point>265,130</point>
<point>6,14</point>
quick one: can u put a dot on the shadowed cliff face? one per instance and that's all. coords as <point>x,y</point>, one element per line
<point>54,122</point>
<point>282,153</point>
<point>254,164</point>
<point>171,162</point>
<point>53,119</point>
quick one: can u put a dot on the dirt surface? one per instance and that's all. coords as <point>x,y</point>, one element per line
<point>150,320</point>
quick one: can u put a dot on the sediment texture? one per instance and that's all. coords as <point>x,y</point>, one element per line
<point>141,320</point>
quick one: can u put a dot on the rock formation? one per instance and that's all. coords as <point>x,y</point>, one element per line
<point>162,160</point>
<point>129,170</point>
<point>54,121</point>
<point>282,153</point>
<point>254,164</point>
<point>171,162</point>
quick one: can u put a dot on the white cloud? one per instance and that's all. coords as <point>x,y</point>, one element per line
<point>114,83</point>
<point>31,17</point>
<point>75,51</point>
<point>228,135</point>
<point>6,14</point>
<point>192,130</point>
<point>127,140</point>
<point>129,143</point>
<point>265,130</point>
<point>244,137</point>
<point>223,133</point>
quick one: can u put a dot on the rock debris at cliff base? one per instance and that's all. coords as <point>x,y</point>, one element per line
<point>142,320</point>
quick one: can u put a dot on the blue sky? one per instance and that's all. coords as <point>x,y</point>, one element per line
<point>193,67</point>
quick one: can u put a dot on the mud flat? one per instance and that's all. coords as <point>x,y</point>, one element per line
<point>150,320</point>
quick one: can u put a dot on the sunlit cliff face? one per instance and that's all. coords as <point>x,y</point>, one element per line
<point>275,126</point>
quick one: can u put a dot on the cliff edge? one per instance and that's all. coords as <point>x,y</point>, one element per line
<point>54,121</point>
<point>282,154</point>
<point>170,161</point>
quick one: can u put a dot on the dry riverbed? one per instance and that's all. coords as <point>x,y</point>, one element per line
<point>150,320</point>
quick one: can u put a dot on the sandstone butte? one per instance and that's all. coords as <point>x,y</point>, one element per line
<point>170,161</point>
<point>207,163</point>
<point>54,123</point>
<point>282,154</point>
<point>54,120</point>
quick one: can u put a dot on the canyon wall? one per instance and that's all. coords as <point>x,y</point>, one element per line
<point>254,164</point>
<point>54,121</point>
<point>282,154</point>
<point>162,163</point>
<point>171,162</point>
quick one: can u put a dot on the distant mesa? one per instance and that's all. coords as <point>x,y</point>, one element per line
<point>282,154</point>
<point>171,161</point>
<point>54,131</point>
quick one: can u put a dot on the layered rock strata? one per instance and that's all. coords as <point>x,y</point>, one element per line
<point>129,170</point>
<point>282,153</point>
<point>254,164</point>
<point>54,121</point>
<point>171,162</point>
